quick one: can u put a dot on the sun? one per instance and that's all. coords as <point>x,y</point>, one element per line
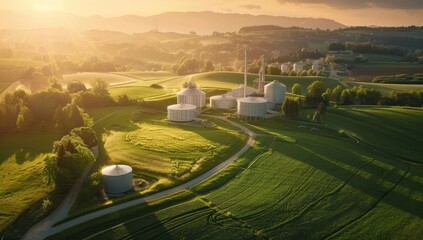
<point>45,5</point>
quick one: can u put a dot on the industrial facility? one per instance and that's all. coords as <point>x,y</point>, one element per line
<point>117,179</point>
<point>192,95</point>
<point>181,112</point>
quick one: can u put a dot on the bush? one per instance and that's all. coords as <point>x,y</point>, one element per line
<point>291,107</point>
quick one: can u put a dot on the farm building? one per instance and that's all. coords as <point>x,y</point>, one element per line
<point>117,179</point>
<point>222,102</point>
<point>181,112</point>
<point>274,93</point>
<point>192,95</point>
<point>252,107</point>
<point>315,66</point>
<point>239,92</point>
<point>299,66</point>
<point>285,67</point>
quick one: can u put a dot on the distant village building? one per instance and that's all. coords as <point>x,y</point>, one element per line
<point>315,66</point>
<point>285,67</point>
<point>299,66</point>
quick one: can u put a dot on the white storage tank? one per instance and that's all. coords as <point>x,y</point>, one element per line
<point>192,95</point>
<point>117,179</point>
<point>274,93</point>
<point>239,92</point>
<point>222,102</point>
<point>252,107</point>
<point>285,67</point>
<point>181,112</point>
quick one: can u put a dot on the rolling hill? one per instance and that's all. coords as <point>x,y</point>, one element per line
<point>181,22</point>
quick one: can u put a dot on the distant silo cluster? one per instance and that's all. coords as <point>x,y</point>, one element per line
<point>181,112</point>
<point>223,102</point>
<point>117,179</point>
<point>274,93</point>
<point>192,95</point>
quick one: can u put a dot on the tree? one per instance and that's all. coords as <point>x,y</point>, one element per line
<point>272,70</point>
<point>25,118</point>
<point>54,83</point>
<point>291,107</point>
<point>87,135</point>
<point>296,89</point>
<point>76,86</point>
<point>100,87</point>
<point>314,92</point>
<point>336,94</point>
<point>348,97</point>
<point>208,66</point>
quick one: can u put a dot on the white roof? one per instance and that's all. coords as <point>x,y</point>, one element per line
<point>182,107</point>
<point>116,170</point>
<point>252,100</point>
<point>191,91</point>
<point>223,97</point>
<point>276,84</point>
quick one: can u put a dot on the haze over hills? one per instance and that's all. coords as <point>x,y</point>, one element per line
<point>181,22</point>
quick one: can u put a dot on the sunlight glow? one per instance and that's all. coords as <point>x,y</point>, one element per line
<point>45,5</point>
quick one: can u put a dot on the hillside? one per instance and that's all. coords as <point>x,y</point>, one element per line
<point>181,22</point>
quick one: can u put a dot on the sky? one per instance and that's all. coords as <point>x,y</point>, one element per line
<point>348,12</point>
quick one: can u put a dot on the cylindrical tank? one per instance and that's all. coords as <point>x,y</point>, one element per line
<point>191,95</point>
<point>181,112</point>
<point>239,92</point>
<point>117,179</point>
<point>222,102</point>
<point>274,93</point>
<point>252,107</point>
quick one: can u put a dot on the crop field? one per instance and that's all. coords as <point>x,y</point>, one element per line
<point>88,77</point>
<point>386,89</point>
<point>21,164</point>
<point>145,145</point>
<point>382,58</point>
<point>11,71</point>
<point>319,186</point>
<point>367,71</point>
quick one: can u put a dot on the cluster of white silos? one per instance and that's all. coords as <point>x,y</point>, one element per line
<point>189,100</point>
<point>117,179</point>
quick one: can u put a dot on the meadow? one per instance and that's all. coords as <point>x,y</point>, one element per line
<point>11,70</point>
<point>365,72</point>
<point>162,153</point>
<point>21,171</point>
<point>322,185</point>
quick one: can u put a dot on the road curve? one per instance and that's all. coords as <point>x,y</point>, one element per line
<point>47,228</point>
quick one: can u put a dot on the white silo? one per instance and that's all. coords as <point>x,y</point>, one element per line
<point>274,93</point>
<point>181,112</point>
<point>117,179</point>
<point>222,102</point>
<point>192,95</point>
<point>252,107</point>
<point>239,92</point>
<point>299,66</point>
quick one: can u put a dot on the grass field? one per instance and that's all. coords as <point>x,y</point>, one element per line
<point>160,152</point>
<point>21,164</point>
<point>367,71</point>
<point>11,70</point>
<point>386,89</point>
<point>382,58</point>
<point>319,186</point>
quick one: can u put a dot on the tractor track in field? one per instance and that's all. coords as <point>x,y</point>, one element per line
<point>314,203</point>
<point>334,233</point>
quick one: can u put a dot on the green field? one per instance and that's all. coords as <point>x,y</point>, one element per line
<point>320,186</point>
<point>144,145</point>
<point>11,70</point>
<point>21,164</point>
<point>386,89</point>
<point>365,72</point>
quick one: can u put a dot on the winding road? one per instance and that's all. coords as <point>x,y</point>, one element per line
<point>47,227</point>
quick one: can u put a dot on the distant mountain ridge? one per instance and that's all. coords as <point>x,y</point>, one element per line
<point>180,22</point>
